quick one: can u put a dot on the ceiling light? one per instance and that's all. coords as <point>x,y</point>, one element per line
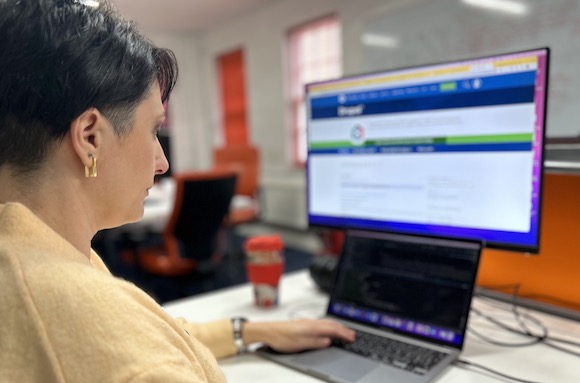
<point>505,6</point>
<point>381,41</point>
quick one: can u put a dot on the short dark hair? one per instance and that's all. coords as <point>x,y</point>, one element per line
<point>59,58</point>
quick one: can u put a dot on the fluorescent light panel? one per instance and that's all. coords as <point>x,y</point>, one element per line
<point>381,41</point>
<point>505,6</point>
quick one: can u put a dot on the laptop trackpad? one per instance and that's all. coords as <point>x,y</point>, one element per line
<point>337,363</point>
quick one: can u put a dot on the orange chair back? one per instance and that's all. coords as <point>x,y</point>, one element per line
<point>245,161</point>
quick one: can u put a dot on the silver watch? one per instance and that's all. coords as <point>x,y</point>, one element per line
<point>238,330</point>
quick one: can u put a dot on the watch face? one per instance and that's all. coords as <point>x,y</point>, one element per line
<point>238,338</point>
<point>237,323</point>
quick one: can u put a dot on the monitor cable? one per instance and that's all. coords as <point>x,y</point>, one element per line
<point>548,340</point>
<point>462,363</point>
<point>535,338</point>
<point>523,320</point>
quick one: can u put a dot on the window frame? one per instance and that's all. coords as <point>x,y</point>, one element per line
<point>299,75</point>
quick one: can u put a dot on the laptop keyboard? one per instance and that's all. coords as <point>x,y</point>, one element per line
<point>394,353</point>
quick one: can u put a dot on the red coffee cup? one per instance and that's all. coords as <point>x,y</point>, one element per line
<point>264,267</point>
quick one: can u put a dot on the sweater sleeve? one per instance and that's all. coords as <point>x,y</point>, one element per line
<point>217,336</point>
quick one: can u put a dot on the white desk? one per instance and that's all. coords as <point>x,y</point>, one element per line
<point>300,298</point>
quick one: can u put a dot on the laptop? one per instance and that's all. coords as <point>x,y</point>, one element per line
<point>408,298</point>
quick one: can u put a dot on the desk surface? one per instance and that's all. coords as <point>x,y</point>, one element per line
<point>299,298</point>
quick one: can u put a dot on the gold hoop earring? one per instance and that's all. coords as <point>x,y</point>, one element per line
<point>92,172</point>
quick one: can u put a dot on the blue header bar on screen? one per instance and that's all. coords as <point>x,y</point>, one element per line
<point>475,91</point>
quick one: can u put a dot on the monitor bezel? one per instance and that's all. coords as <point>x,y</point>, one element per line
<point>522,248</point>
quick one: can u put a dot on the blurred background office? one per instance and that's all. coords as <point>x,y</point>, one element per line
<point>243,65</point>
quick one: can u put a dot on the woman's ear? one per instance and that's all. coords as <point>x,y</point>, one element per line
<point>86,133</point>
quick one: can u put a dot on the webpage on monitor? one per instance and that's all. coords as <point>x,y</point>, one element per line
<point>449,149</point>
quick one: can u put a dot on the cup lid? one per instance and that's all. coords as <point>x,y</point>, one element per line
<point>264,243</point>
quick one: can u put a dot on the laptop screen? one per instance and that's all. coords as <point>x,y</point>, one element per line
<point>417,286</point>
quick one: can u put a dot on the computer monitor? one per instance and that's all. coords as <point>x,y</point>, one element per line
<point>452,149</point>
<point>165,142</point>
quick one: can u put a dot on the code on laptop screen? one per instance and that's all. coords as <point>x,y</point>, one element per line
<point>423,287</point>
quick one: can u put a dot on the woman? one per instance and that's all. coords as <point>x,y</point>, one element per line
<point>81,95</point>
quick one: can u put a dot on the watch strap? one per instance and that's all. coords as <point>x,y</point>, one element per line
<point>238,332</point>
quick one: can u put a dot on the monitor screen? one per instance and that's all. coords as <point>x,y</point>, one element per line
<point>452,149</point>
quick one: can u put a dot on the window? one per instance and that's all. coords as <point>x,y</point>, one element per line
<point>231,72</point>
<point>314,55</point>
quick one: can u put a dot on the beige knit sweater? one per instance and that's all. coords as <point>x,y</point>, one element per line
<point>65,318</point>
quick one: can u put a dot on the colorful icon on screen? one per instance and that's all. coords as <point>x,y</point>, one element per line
<point>357,134</point>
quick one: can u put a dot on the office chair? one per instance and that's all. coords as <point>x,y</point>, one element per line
<point>245,161</point>
<point>190,245</point>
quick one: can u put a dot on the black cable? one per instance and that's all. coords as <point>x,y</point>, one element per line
<point>527,333</point>
<point>570,342</point>
<point>536,338</point>
<point>499,343</point>
<point>544,338</point>
<point>515,292</point>
<point>520,317</point>
<point>517,315</point>
<point>467,364</point>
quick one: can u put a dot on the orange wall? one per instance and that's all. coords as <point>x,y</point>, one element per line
<point>552,276</point>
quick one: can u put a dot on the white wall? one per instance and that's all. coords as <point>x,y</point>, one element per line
<point>195,108</point>
<point>189,133</point>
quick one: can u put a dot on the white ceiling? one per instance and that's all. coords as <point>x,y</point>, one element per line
<point>183,15</point>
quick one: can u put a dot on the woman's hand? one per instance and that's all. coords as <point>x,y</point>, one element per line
<point>296,335</point>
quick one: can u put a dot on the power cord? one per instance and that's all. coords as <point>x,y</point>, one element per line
<point>469,365</point>
<point>548,340</point>
<point>527,332</point>
<point>522,320</point>
<point>519,317</point>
